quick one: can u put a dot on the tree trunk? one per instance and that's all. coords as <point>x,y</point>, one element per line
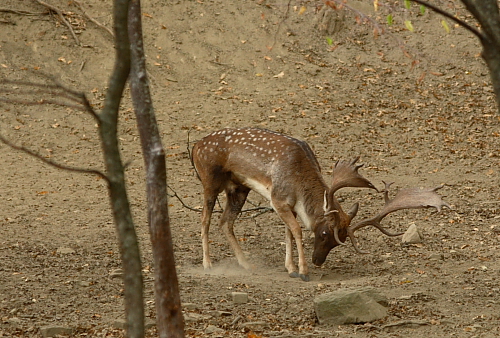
<point>129,248</point>
<point>169,319</point>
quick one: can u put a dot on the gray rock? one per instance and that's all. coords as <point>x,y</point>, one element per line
<point>52,331</point>
<point>195,317</point>
<point>213,329</point>
<point>412,235</point>
<point>352,305</point>
<point>255,326</point>
<point>435,256</point>
<point>14,321</point>
<point>189,306</point>
<point>65,251</point>
<point>239,297</point>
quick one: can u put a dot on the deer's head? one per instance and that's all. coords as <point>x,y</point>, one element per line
<point>336,225</point>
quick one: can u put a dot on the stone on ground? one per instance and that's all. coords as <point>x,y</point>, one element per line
<point>349,306</point>
<point>412,235</point>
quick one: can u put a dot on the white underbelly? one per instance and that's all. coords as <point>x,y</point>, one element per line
<point>258,187</point>
<point>265,191</point>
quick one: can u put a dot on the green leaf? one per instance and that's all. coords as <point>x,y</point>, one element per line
<point>445,25</point>
<point>407,4</point>
<point>422,9</point>
<point>329,41</point>
<point>390,19</point>
<point>409,26</point>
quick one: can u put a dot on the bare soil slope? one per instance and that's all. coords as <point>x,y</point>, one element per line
<point>211,66</point>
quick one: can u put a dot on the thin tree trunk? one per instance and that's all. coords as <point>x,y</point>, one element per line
<point>169,319</point>
<point>129,248</point>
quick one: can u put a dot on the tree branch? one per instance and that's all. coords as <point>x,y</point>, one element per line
<point>52,163</point>
<point>61,16</point>
<point>462,23</point>
<point>92,19</point>
<point>21,12</point>
<point>262,210</point>
<point>55,89</point>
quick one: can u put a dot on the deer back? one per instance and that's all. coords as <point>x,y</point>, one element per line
<point>265,161</point>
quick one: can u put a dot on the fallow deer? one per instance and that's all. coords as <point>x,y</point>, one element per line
<point>286,172</point>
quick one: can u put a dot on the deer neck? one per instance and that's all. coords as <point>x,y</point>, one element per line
<point>309,205</point>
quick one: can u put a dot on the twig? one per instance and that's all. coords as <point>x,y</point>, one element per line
<point>61,16</point>
<point>52,163</point>
<point>42,101</point>
<point>462,23</point>
<point>279,24</point>
<point>182,202</point>
<point>47,88</point>
<point>93,20</point>
<point>406,323</point>
<point>21,12</point>
<point>263,209</point>
<point>410,53</point>
<point>262,212</point>
<point>236,320</point>
<point>40,92</point>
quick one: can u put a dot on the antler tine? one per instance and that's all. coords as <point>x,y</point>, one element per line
<point>386,191</point>
<point>345,174</point>
<point>409,198</point>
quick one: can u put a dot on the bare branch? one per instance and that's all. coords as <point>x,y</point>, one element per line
<point>43,101</point>
<point>462,23</point>
<point>55,89</point>
<point>52,163</point>
<point>61,16</point>
<point>39,93</point>
<point>262,210</point>
<point>21,12</point>
<point>182,202</point>
<point>92,19</point>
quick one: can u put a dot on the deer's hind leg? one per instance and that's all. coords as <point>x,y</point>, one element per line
<point>236,196</point>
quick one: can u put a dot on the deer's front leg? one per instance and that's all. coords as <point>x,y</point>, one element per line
<point>289,264</point>
<point>293,229</point>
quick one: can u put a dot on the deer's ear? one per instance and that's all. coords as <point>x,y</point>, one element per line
<point>353,211</point>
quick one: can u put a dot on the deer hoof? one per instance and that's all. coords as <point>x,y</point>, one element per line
<point>294,274</point>
<point>305,278</point>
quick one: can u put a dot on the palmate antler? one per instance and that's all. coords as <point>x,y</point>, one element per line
<point>409,198</point>
<point>345,174</point>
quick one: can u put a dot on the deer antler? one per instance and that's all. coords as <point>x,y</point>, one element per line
<point>345,174</point>
<point>409,198</point>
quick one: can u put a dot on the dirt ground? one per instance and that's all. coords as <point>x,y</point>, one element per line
<point>254,63</point>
